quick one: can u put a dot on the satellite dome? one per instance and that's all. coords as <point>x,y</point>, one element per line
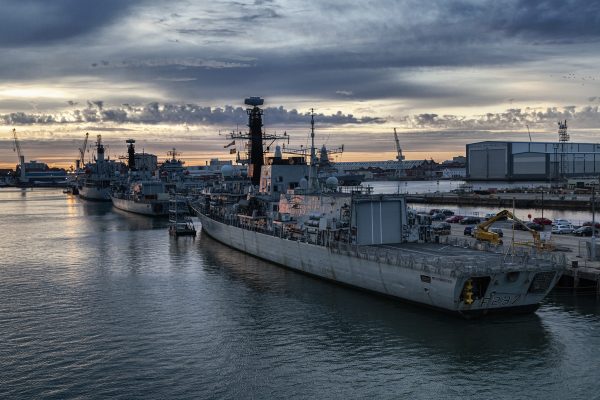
<point>303,184</point>
<point>331,182</point>
<point>227,171</point>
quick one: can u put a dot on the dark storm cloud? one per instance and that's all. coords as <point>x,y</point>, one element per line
<point>323,51</point>
<point>35,22</point>
<point>546,20</point>
<point>360,54</point>
<point>493,21</point>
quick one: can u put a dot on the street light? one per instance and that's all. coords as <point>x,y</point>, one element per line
<point>593,239</point>
<point>555,145</point>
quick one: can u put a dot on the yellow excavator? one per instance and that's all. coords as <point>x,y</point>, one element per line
<point>482,233</point>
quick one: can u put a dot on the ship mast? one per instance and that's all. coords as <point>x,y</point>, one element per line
<point>255,137</point>
<point>131,154</point>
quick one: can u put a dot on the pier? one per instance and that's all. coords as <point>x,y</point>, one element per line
<point>581,275</point>
<point>506,200</point>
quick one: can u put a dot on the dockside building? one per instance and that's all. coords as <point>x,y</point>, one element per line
<point>523,161</point>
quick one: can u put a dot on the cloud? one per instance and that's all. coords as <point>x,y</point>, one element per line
<point>34,22</point>
<point>153,113</point>
<point>546,20</point>
<point>169,113</point>
<point>436,53</point>
<point>512,119</point>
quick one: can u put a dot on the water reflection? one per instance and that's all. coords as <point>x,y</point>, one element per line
<point>582,303</point>
<point>134,221</point>
<point>339,310</point>
<point>95,208</point>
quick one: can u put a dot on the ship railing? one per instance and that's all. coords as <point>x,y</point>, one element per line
<point>442,265</point>
<point>527,254</point>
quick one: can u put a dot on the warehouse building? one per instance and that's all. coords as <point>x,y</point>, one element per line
<point>526,161</point>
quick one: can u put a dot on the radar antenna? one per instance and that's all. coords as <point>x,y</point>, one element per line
<point>255,139</point>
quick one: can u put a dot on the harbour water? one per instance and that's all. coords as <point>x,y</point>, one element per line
<point>97,303</point>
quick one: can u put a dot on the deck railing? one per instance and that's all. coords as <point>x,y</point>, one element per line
<point>521,258</point>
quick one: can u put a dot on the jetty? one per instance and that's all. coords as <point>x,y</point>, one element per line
<point>581,274</point>
<point>559,201</point>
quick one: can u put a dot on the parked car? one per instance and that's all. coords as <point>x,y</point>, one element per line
<point>585,231</point>
<point>492,215</point>
<point>542,221</point>
<point>469,230</point>
<point>561,222</point>
<point>589,223</point>
<point>441,228</point>
<point>438,217</point>
<point>447,212</point>
<point>534,226</point>
<point>455,219</point>
<point>562,229</point>
<point>470,220</point>
<point>434,211</point>
<point>530,225</point>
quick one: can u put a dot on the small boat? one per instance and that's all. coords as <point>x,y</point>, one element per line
<point>72,190</point>
<point>180,222</point>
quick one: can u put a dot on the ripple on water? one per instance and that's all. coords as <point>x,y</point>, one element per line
<point>102,304</point>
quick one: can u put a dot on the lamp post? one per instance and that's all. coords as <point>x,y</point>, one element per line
<point>542,203</point>
<point>555,161</point>
<point>593,239</point>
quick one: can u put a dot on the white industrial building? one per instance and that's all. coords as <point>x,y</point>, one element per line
<point>521,161</point>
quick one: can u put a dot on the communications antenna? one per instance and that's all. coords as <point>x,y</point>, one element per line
<point>563,135</point>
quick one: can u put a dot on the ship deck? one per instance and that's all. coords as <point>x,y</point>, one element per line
<point>445,253</point>
<point>441,250</point>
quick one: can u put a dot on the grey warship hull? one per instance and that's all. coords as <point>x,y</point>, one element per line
<point>94,193</point>
<point>416,273</point>
<point>155,208</point>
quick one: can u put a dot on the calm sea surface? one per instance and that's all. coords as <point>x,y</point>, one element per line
<point>96,303</point>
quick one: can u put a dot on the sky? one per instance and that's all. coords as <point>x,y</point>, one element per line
<point>174,74</point>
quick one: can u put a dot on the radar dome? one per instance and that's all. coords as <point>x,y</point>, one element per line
<point>227,171</point>
<point>331,182</point>
<point>303,184</point>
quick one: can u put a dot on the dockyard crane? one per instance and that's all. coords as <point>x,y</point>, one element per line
<point>82,150</point>
<point>399,155</point>
<point>17,148</point>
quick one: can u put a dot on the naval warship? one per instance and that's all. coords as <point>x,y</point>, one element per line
<point>95,183</point>
<point>141,192</point>
<point>373,242</point>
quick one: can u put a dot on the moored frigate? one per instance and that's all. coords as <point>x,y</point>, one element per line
<point>373,242</point>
